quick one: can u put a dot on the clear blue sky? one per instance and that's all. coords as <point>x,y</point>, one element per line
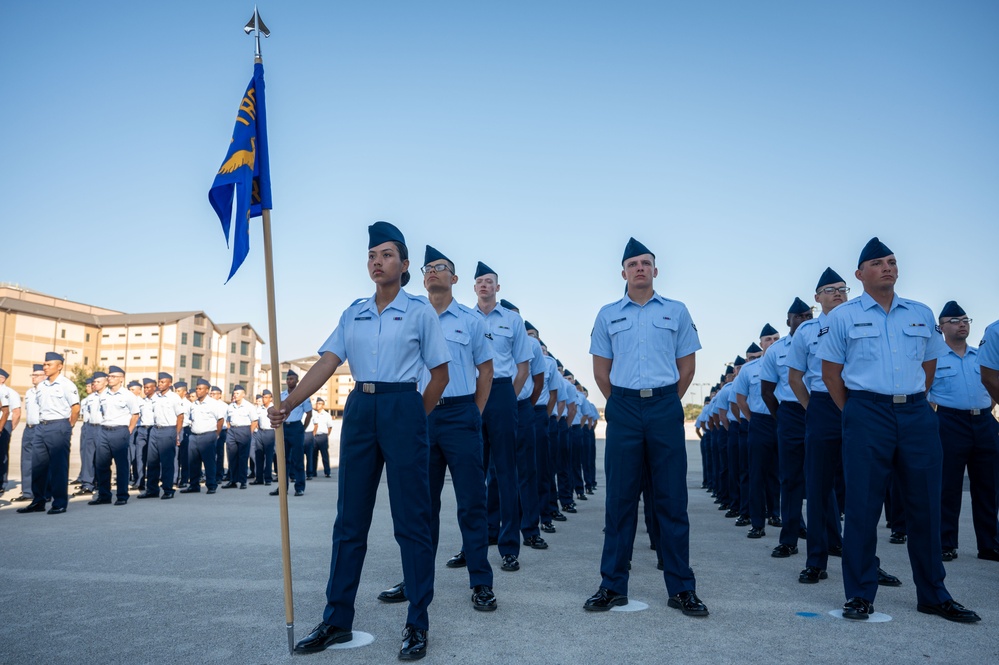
<point>749,145</point>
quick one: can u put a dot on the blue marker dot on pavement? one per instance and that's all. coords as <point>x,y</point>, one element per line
<point>807,615</point>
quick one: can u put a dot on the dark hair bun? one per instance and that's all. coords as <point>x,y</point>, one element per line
<point>405,278</point>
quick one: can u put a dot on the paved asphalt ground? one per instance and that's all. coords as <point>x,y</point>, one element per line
<point>198,580</point>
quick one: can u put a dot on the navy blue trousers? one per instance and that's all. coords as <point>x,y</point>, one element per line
<point>527,469</point>
<point>140,441</point>
<point>201,451</point>
<point>237,447</point>
<point>823,462</point>
<point>576,458</point>
<point>220,455</point>
<point>27,437</point>
<point>264,455</point>
<point>456,444</point>
<point>160,457</point>
<point>644,432</point>
<point>722,444</point>
<point>322,449</point>
<point>553,464</point>
<point>390,430</point>
<point>762,465</point>
<point>50,462</point>
<point>309,447</point>
<point>589,458</point>
<point>112,445</point>
<point>743,468</point>
<point>294,453</point>
<point>713,434</point>
<point>562,472</point>
<point>88,455</point>
<point>969,442</point>
<point>734,496</point>
<point>878,439</point>
<point>705,460</point>
<point>183,472</point>
<point>543,461</point>
<point>499,437</point>
<point>791,460</point>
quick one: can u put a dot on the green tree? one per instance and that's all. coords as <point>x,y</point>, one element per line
<point>79,374</point>
<point>691,411</point>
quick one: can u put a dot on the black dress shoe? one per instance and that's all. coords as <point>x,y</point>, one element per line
<point>536,543</point>
<point>396,594</point>
<point>571,508</point>
<point>299,492</point>
<point>493,540</point>
<point>190,489</point>
<point>547,527</point>
<point>732,513</point>
<point>756,533</point>
<point>229,485</point>
<point>581,497</point>
<point>257,482</point>
<point>897,538</point>
<point>275,492</point>
<point>414,643</point>
<point>884,579</point>
<point>321,637</point>
<point>858,609</point>
<point>603,600</point>
<point>510,563</point>
<point>148,495</point>
<point>589,490</point>
<point>98,502</point>
<point>121,502</point>
<point>743,521</point>
<point>659,564</point>
<point>559,517</point>
<point>836,550</point>
<point>783,551</point>
<point>688,603</point>
<point>483,598</point>
<point>948,555</point>
<point>167,495</point>
<point>20,498</point>
<point>56,511</point>
<point>723,506</point>
<point>83,491</point>
<point>242,486</point>
<point>211,490</point>
<point>812,575</point>
<point>989,555</point>
<point>33,507</point>
<point>457,561</point>
<point>950,610</point>
<point>75,483</point>
<point>775,522</point>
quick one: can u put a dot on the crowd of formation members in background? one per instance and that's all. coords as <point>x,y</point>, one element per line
<point>772,435</point>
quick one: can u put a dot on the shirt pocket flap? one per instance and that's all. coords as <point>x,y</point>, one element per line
<point>862,332</point>
<point>945,372</point>
<point>917,331</point>
<point>457,336</point>
<point>503,331</point>
<point>617,326</point>
<point>665,322</point>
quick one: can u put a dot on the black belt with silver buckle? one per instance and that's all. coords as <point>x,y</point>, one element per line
<point>962,412</point>
<point>164,426</point>
<point>376,387</point>
<point>56,420</point>
<point>501,380</point>
<point>459,399</point>
<point>888,399</point>
<point>29,426</point>
<point>644,393</point>
<point>112,426</point>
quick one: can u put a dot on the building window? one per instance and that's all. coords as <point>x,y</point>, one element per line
<point>199,320</point>
<point>138,334</point>
<point>62,333</point>
<point>197,360</point>
<point>232,347</point>
<point>195,379</point>
<point>136,358</point>
<point>183,361</point>
<point>244,348</point>
<point>104,359</point>
<point>121,357</point>
<point>121,334</point>
<point>244,368</point>
<point>246,331</point>
<point>183,338</point>
<point>199,339</point>
<point>86,360</point>
<point>152,357</point>
<point>105,336</point>
<point>155,335</point>
<point>232,368</point>
<point>88,339</point>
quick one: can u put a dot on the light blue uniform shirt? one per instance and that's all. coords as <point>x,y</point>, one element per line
<point>578,399</point>
<point>801,355</point>
<point>882,352</point>
<point>988,350</point>
<point>56,398</point>
<point>468,346</point>
<point>31,406</point>
<point>958,382</point>
<point>570,397</point>
<point>392,347</point>
<point>748,385</point>
<point>118,407</point>
<point>724,398</point>
<point>240,415</point>
<point>644,341</point>
<point>297,414</point>
<point>505,329</point>
<point>145,412</point>
<point>562,394</point>
<point>206,413</point>
<point>774,369</point>
<point>90,409</point>
<point>536,366</point>
<point>551,381</point>
<point>166,407</point>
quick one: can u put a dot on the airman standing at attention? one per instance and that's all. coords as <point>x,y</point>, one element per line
<point>294,436</point>
<point>241,416</point>
<point>143,431</point>
<point>762,438</point>
<point>161,454</point>
<point>90,413</point>
<point>643,350</point>
<point>878,360</point>
<point>265,433</point>
<point>28,436</point>
<point>207,417</point>
<point>8,423</point>
<point>184,440</point>
<point>322,423</point>
<point>119,410</point>
<point>968,432</point>
<point>58,408</point>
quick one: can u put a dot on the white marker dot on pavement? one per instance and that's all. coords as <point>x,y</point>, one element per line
<point>877,617</point>
<point>360,639</point>
<point>632,606</point>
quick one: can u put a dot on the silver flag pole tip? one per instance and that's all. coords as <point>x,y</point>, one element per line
<point>291,639</point>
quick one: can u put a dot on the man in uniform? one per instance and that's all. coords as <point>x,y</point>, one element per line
<point>207,417</point>
<point>28,436</point>
<point>322,423</point>
<point>58,408</point>
<point>241,416</point>
<point>542,416</point>
<point>988,360</point>
<point>294,437</point>
<point>184,442</point>
<point>878,360</point>
<point>143,432</point>
<point>265,440</point>
<point>968,433</point>
<point>168,420</point>
<point>8,422</point>
<point>511,356</point>
<point>90,413</point>
<point>643,350</point>
<point>762,436</point>
<point>119,410</point>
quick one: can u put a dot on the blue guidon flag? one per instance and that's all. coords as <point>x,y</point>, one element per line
<point>244,170</point>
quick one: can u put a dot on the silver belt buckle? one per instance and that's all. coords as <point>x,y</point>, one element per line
<point>440,402</point>
<point>368,388</point>
<point>645,392</point>
<point>976,412</point>
<point>899,399</point>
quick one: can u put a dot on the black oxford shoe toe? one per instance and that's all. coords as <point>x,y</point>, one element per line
<point>858,609</point>
<point>884,579</point>
<point>396,594</point>
<point>483,598</point>
<point>321,637</point>
<point>950,610</point>
<point>414,643</point>
<point>33,507</point>
<point>783,551</point>
<point>688,603</point>
<point>457,561</point>
<point>812,575</point>
<point>603,600</point>
<point>510,563</point>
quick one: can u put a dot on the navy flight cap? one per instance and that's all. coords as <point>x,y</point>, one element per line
<point>203,382</point>
<point>729,370</point>
<point>134,384</point>
<point>828,277</point>
<point>293,373</point>
<point>239,388</point>
<point>754,347</point>
<point>164,375</point>
<point>180,384</point>
<point>4,373</point>
<point>766,332</point>
<point>37,367</point>
<point>266,392</point>
<point>383,232</point>
<point>482,269</point>
<point>99,375</point>
<point>89,380</point>
<point>114,369</point>
<point>874,249</point>
<point>148,380</point>
<point>215,389</point>
<point>506,304</point>
<point>431,255</point>
<point>739,360</point>
<point>635,248</point>
<point>798,307</point>
<point>528,326</point>
<point>52,355</point>
<point>952,309</point>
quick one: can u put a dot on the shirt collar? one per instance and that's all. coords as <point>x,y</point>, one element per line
<point>868,302</point>
<point>626,300</point>
<point>400,303</point>
<point>453,308</point>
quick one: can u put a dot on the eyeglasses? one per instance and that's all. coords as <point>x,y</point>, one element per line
<point>437,267</point>
<point>829,290</point>
<point>955,322</point>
